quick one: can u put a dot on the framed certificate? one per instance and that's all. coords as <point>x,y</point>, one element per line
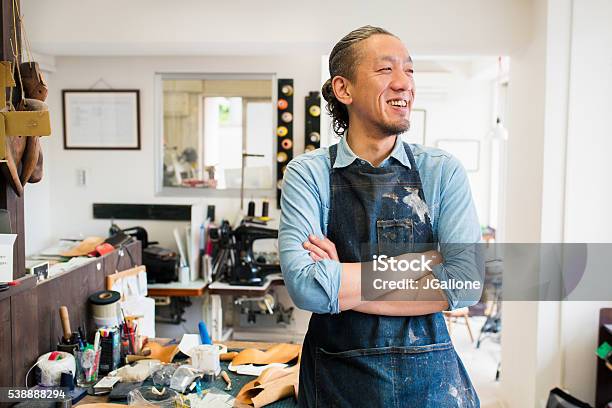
<point>97,119</point>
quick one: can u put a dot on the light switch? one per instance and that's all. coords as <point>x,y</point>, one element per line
<point>81,177</point>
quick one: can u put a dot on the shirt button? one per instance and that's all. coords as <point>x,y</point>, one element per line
<point>362,161</point>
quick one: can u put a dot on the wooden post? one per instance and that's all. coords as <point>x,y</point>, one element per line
<point>8,199</point>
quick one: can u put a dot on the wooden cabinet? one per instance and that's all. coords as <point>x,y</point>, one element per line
<point>29,313</point>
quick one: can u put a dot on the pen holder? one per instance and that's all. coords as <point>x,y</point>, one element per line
<point>87,362</point>
<point>184,275</point>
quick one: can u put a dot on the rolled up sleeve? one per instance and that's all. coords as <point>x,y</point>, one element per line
<point>313,286</point>
<point>459,236</point>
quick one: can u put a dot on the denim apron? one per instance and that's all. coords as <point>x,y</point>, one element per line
<point>353,359</point>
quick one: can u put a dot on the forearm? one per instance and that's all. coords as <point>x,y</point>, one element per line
<point>418,301</point>
<point>412,302</point>
<point>402,308</point>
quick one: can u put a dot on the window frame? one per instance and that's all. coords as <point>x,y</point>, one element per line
<point>164,191</point>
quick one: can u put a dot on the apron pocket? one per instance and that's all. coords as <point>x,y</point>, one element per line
<point>395,237</point>
<point>411,376</point>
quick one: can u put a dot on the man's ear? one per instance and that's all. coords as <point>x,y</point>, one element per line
<point>341,87</point>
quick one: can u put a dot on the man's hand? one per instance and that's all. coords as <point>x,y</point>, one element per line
<point>320,248</point>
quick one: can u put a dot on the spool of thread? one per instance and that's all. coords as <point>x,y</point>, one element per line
<point>265,208</point>
<point>314,137</point>
<point>51,370</point>
<point>251,209</point>
<point>281,157</point>
<point>105,308</point>
<point>314,110</point>
<point>286,144</point>
<point>287,90</point>
<point>282,104</point>
<point>287,117</point>
<point>282,131</point>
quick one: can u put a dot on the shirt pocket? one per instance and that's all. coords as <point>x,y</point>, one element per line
<point>395,236</point>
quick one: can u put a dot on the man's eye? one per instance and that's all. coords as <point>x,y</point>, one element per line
<point>410,71</point>
<point>385,69</point>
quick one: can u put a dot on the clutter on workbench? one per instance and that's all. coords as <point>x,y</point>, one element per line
<point>162,374</point>
<point>279,353</point>
<point>88,362</point>
<point>182,377</point>
<point>272,385</point>
<point>105,308</point>
<point>163,353</point>
<point>132,285</point>
<point>51,366</point>
<point>205,357</point>
<point>150,396</point>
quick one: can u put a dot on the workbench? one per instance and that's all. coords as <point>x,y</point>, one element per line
<point>238,381</point>
<point>212,306</point>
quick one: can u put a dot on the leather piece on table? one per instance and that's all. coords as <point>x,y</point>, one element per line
<point>272,385</point>
<point>279,353</point>
<point>228,356</point>
<point>84,247</point>
<point>165,354</point>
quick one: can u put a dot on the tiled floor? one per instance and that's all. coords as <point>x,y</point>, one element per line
<point>480,363</point>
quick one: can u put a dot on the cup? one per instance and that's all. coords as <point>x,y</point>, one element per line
<point>87,362</point>
<point>205,357</point>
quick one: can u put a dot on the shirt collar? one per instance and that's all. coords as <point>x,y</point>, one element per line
<point>345,155</point>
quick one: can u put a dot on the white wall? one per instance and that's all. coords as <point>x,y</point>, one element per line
<point>559,143</point>
<point>243,27</point>
<point>587,199</point>
<point>461,109</point>
<point>128,176</point>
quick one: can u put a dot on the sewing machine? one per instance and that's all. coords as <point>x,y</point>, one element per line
<point>236,262</point>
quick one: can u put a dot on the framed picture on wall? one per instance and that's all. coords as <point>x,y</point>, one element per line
<point>467,151</point>
<point>97,119</point>
<point>418,123</point>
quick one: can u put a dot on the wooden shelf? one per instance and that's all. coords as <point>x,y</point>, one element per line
<point>25,283</point>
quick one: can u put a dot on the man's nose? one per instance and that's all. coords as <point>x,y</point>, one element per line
<point>402,82</point>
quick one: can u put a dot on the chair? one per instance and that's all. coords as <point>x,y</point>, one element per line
<point>453,315</point>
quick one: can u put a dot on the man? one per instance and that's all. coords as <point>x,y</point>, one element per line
<point>371,192</point>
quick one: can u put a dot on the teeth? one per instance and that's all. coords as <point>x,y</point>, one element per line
<point>401,103</point>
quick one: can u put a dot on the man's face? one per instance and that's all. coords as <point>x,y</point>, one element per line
<point>383,85</point>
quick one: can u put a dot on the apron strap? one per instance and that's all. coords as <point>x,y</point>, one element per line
<point>410,156</point>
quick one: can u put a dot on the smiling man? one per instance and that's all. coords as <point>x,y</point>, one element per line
<point>372,195</point>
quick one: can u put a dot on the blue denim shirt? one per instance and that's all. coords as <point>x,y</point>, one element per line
<point>305,204</point>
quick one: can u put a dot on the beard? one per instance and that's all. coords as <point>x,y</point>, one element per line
<point>392,129</point>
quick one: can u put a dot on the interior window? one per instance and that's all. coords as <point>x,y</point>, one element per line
<point>210,125</point>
